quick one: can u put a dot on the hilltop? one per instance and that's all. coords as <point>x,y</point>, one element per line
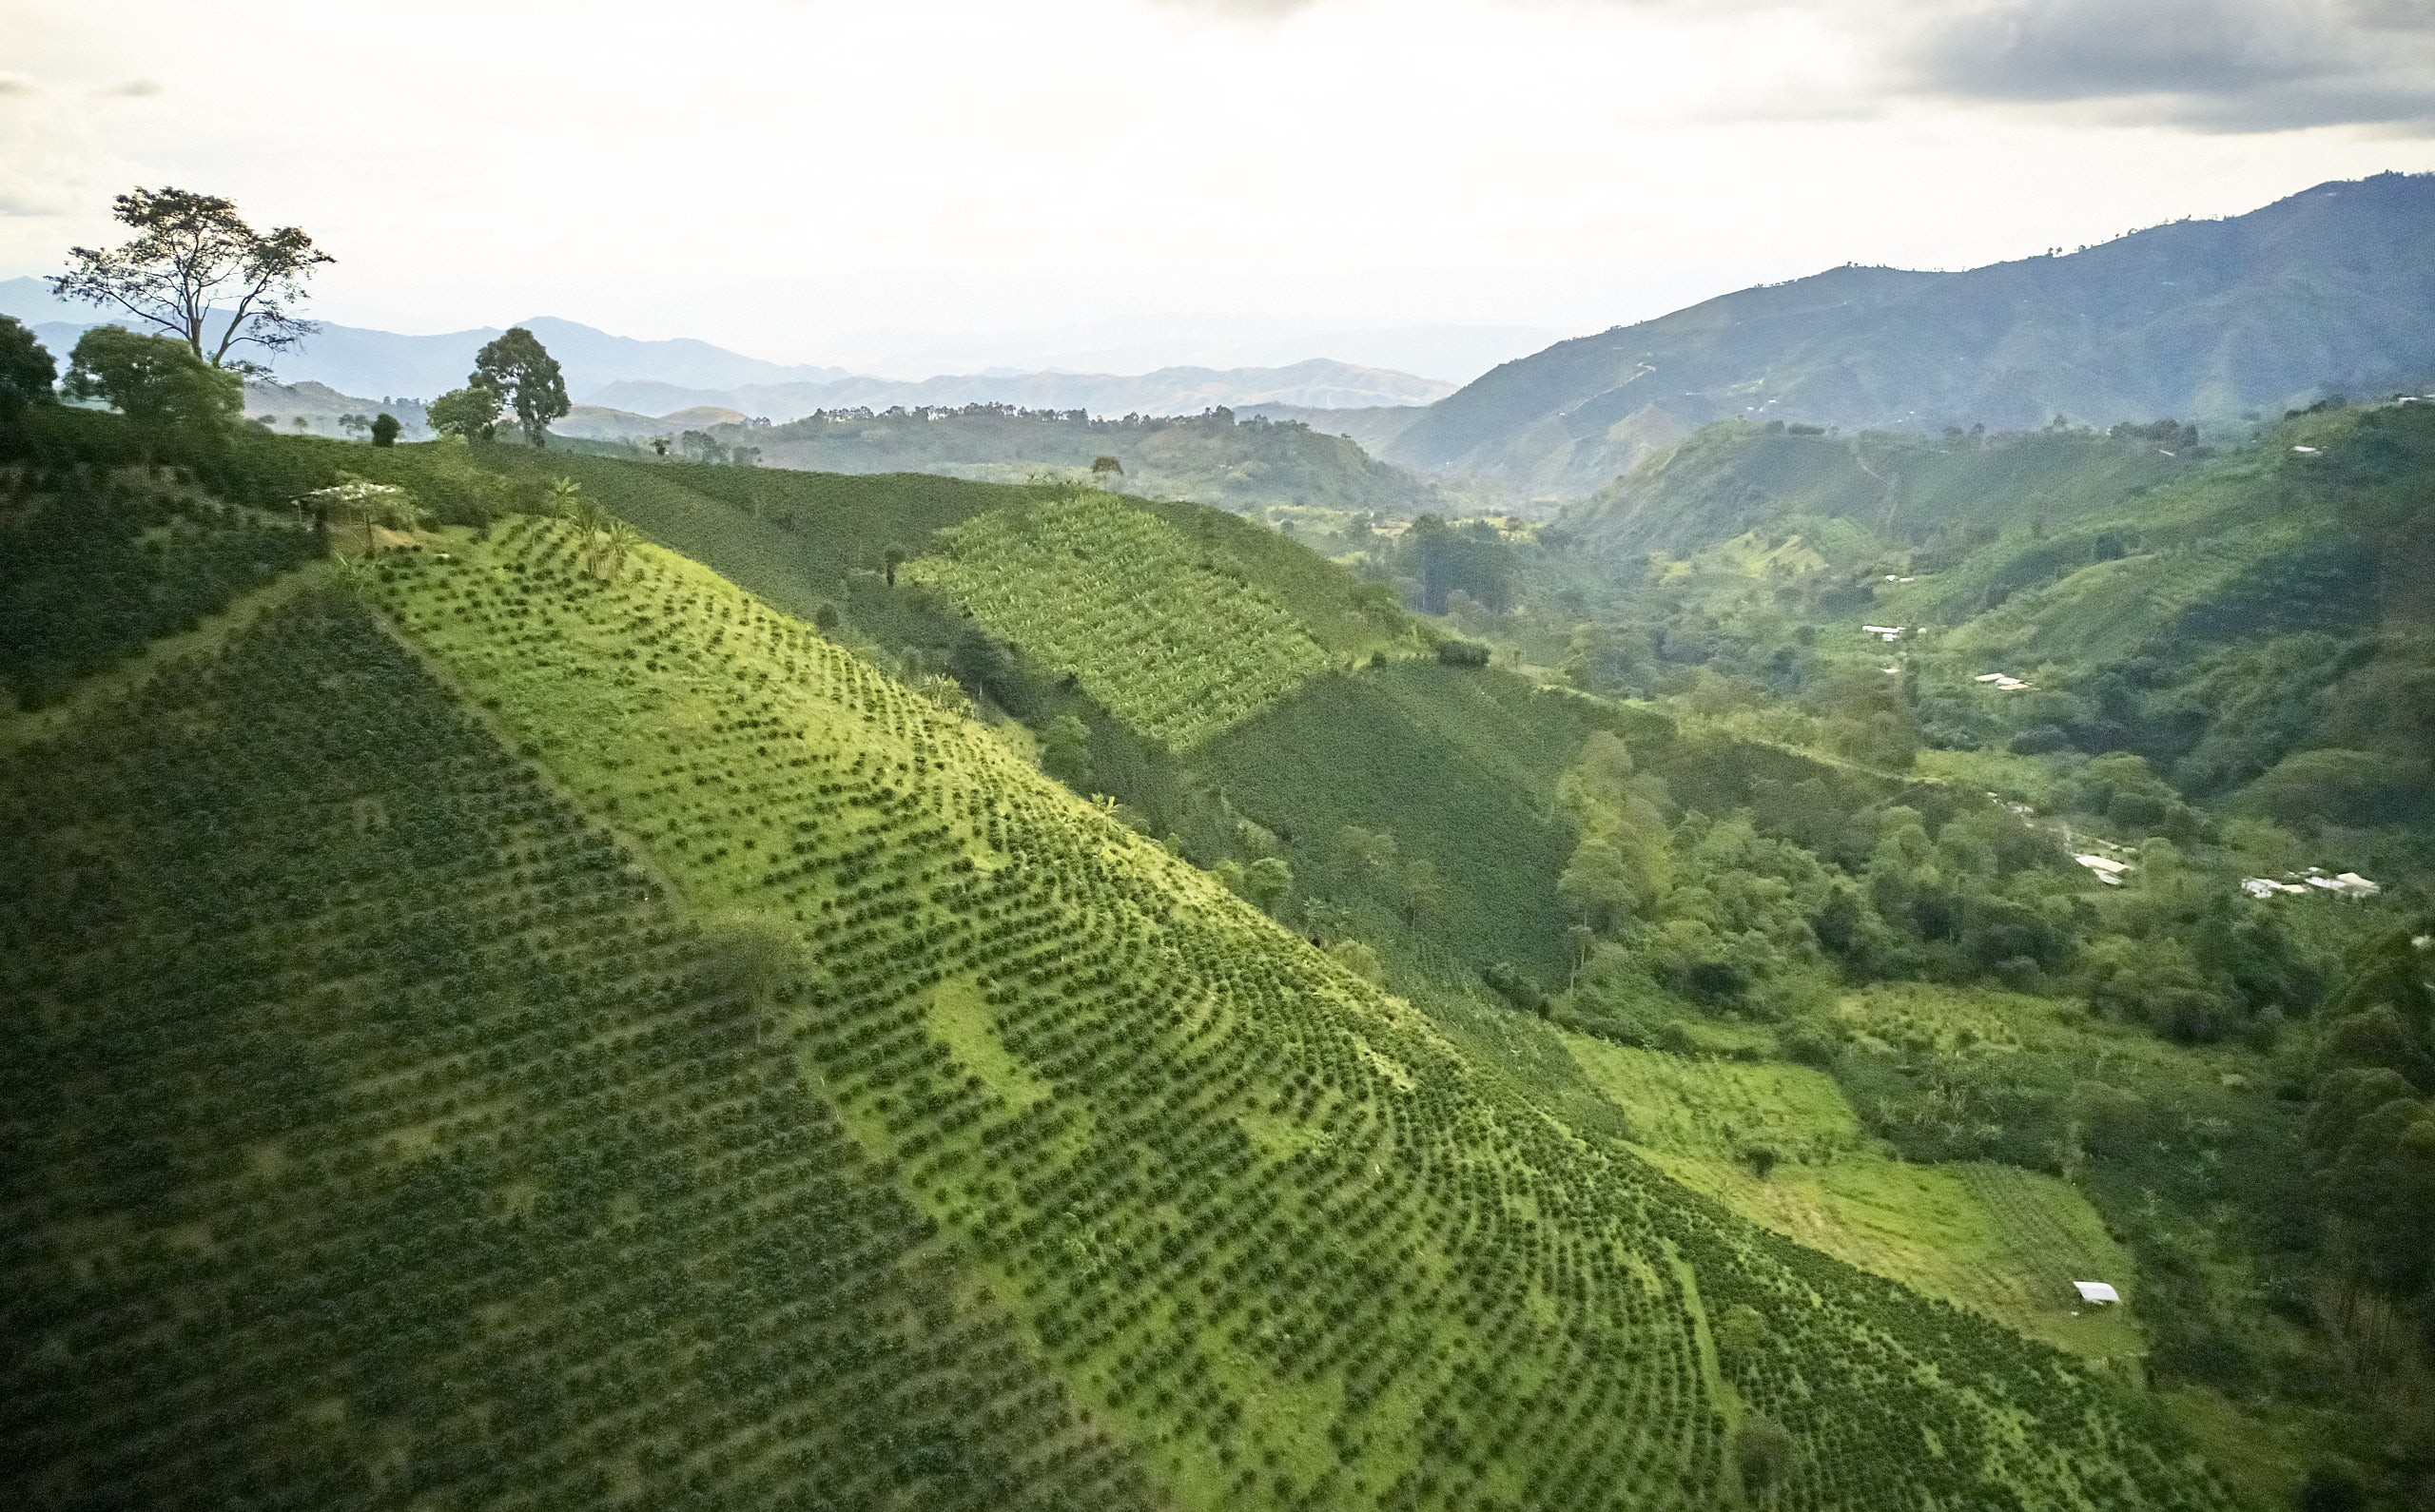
<point>2214,321</point>
<point>628,1044</point>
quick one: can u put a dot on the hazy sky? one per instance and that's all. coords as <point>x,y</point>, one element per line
<point>799,180</point>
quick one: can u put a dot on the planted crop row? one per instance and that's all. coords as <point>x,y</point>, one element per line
<point>370,1134</point>
<point>92,567</point>
<point>1170,637</point>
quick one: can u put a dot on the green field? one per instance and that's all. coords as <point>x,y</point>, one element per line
<point>2003,1241</point>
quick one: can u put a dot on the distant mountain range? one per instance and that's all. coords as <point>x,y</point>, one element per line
<point>653,377</point>
<point>1316,383</point>
<point>354,360</point>
<point>2215,321</point>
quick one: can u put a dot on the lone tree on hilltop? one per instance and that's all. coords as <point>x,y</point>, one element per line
<point>158,383</point>
<point>1103,468</point>
<point>27,371</point>
<point>190,255</point>
<point>385,429</point>
<point>521,371</point>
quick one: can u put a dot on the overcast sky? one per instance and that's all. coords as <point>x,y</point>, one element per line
<point>814,182</point>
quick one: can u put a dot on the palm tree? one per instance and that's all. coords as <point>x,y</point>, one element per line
<point>564,497</point>
<point>610,554</point>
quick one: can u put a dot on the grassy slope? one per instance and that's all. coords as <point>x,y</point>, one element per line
<point>2004,1241</point>
<point>2225,552</point>
<point>1471,758</point>
<point>1296,1241</point>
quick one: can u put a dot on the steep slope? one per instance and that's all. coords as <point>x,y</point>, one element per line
<point>1897,491</point>
<point>378,1133</point>
<point>1307,1251</point>
<point>1176,647</point>
<point>2204,320</point>
<point>2217,614</point>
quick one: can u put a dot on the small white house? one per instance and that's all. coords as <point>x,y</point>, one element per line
<point>2109,872</point>
<point>2348,885</point>
<point>2097,1293</point>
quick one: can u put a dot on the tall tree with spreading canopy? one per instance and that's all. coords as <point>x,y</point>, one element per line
<point>523,373</point>
<point>194,257</point>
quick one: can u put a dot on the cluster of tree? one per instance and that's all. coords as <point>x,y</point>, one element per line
<point>1439,560</point>
<point>2371,1124</point>
<point>701,446</point>
<point>513,372</point>
<point>204,289</point>
<point>1794,885</point>
<point>166,391</point>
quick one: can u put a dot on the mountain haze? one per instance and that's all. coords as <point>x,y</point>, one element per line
<point>1318,383</point>
<point>653,377</point>
<point>2216,322</point>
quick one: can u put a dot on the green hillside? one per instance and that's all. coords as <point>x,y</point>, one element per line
<point>379,1133</point>
<point>2039,790</point>
<point>2215,613</point>
<point>766,1087</point>
<point>1173,645</point>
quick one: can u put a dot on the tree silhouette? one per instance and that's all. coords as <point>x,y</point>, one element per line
<point>191,252</point>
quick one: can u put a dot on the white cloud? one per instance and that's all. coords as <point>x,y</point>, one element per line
<point>790,178</point>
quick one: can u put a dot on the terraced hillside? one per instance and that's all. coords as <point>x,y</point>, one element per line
<point>1303,1251</point>
<point>1156,630</point>
<point>375,1132</point>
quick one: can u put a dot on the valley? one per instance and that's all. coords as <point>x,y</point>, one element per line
<point>979,957</point>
